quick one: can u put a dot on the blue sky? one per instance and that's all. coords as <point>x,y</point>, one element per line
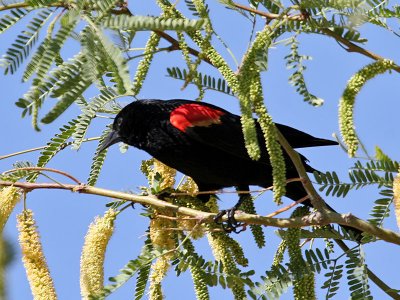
<point>63,216</point>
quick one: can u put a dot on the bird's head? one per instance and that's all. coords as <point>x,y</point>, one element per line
<point>121,128</point>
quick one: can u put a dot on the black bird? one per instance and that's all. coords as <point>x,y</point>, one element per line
<point>206,142</point>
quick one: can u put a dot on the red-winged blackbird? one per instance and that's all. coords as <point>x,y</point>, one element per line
<point>206,143</point>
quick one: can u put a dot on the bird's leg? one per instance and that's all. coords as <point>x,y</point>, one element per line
<point>231,224</point>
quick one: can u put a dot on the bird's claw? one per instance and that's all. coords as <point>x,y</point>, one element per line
<point>231,225</point>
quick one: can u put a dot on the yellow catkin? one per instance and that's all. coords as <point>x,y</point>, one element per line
<point>189,186</point>
<point>167,174</point>
<point>191,225</point>
<point>93,254</point>
<point>38,274</point>
<point>188,224</point>
<point>4,260</point>
<point>159,270</point>
<point>347,101</point>
<point>396,198</point>
<point>9,197</point>
<point>161,233</point>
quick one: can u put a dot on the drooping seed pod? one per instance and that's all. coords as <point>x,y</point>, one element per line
<point>93,254</point>
<point>36,268</point>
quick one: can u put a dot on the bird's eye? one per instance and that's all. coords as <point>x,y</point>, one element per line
<point>118,123</point>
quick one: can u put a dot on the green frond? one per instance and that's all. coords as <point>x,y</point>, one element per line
<point>141,282</point>
<point>104,7</point>
<point>196,266</point>
<point>18,174</point>
<point>273,285</point>
<point>63,81</point>
<point>273,6</point>
<point>332,284</point>
<point>34,63</point>
<point>88,113</point>
<point>334,271</point>
<point>53,47</point>
<point>56,144</point>
<point>330,181</point>
<point>357,277</point>
<point>41,3</point>
<point>22,46</point>
<point>295,61</point>
<point>191,7</point>
<point>12,18</point>
<point>65,101</point>
<point>41,63</point>
<point>142,23</point>
<point>206,81</point>
<point>65,76</point>
<point>115,62</point>
<point>98,160</point>
<point>381,208</point>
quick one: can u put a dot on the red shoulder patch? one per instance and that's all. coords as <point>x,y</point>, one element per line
<point>190,115</point>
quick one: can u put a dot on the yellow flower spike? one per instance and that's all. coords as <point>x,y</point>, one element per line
<point>93,253</point>
<point>167,173</point>
<point>189,186</point>
<point>38,274</point>
<point>347,101</point>
<point>9,197</point>
<point>396,198</point>
<point>160,228</point>
<point>161,235</point>
<point>4,259</point>
<point>159,270</point>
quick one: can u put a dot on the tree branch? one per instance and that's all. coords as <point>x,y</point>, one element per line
<point>313,219</point>
<point>351,47</point>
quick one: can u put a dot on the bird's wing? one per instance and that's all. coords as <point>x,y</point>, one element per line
<point>210,125</point>
<point>218,128</point>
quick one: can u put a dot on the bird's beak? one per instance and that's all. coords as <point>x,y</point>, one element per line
<point>111,139</point>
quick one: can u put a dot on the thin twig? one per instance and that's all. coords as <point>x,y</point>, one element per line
<point>45,169</point>
<point>283,209</point>
<point>351,47</point>
<point>43,147</point>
